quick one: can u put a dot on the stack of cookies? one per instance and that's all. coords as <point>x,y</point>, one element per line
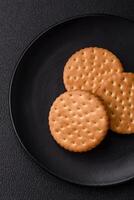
<point>99,96</point>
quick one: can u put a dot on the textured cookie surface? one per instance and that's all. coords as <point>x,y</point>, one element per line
<point>78,121</point>
<point>89,67</point>
<point>118,95</point>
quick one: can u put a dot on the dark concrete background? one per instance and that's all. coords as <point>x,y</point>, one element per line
<point>20,22</point>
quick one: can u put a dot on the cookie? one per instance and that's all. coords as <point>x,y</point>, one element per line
<point>118,95</point>
<point>90,67</point>
<point>78,121</point>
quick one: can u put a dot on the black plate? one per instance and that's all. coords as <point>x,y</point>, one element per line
<point>36,83</point>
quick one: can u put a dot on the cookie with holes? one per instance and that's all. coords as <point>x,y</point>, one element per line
<point>90,67</point>
<point>78,121</point>
<point>118,95</point>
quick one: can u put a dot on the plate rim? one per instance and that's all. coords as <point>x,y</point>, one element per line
<point>22,54</point>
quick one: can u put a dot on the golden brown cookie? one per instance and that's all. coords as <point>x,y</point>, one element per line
<point>118,95</point>
<point>88,68</point>
<point>78,121</point>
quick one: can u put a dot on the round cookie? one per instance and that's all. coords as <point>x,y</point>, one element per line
<point>118,95</point>
<point>78,121</point>
<point>90,67</point>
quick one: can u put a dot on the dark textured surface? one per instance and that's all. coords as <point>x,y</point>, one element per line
<point>20,22</point>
